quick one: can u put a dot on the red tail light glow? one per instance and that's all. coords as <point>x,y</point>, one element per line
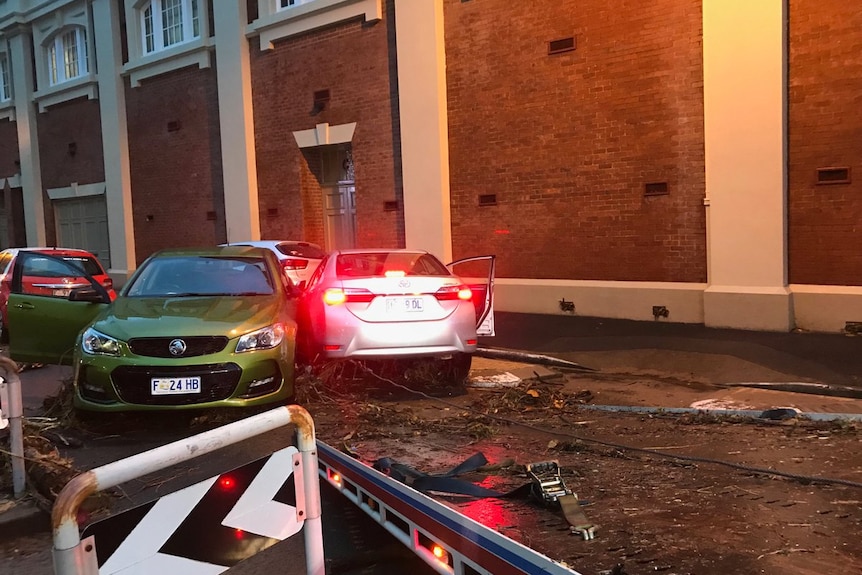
<point>227,483</point>
<point>338,296</point>
<point>448,293</point>
<point>292,264</point>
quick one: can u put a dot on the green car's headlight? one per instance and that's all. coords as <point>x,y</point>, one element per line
<point>97,343</point>
<point>266,338</point>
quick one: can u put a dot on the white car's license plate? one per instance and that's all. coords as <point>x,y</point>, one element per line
<point>174,385</point>
<point>404,304</point>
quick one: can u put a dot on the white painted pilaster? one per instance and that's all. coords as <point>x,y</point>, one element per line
<point>21,48</point>
<point>236,121</point>
<point>745,90</point>
<point>115,138</point>
<point>424,125</point>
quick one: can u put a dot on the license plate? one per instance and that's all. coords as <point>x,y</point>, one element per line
<point>61,292</point>
<point>174,385</point>
<point>404,304</point>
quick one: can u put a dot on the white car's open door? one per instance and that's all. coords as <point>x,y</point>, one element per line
<point>478,273</point>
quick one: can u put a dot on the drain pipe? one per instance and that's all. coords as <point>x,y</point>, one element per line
<point>527,357</point>
<point>774,413</point>
<point>12,405</point>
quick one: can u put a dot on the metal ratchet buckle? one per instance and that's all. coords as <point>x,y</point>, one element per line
<point>547,483</point>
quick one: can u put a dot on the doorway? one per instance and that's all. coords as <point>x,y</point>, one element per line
<point>339,196</point>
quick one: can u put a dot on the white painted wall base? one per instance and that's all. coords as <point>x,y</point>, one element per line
<point>619,300</point>
<point>826,308</point>
<point>746,307</point>
<point>808,307</point>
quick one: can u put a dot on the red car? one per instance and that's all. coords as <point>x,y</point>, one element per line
<point>43,278</point>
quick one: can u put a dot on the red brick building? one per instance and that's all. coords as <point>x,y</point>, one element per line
<point>691,155</point>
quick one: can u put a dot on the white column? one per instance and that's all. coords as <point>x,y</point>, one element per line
<point>236,121</point>
<point>424,125</point>
<point>115,138</point>
<point>745,91</point>
<point>21,46</point>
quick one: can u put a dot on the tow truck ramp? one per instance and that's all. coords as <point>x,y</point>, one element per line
<point>450,542</point>
<point>213,525</point>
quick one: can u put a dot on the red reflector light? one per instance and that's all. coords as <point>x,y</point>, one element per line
<point>331,347</point>
<point>448,293</point>
<point>471,341</point>
<point>292,264</point>
<point>227,483</point>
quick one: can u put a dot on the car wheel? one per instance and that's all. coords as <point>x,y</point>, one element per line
<point>457,369</point>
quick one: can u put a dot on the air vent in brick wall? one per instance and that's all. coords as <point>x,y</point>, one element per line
<point>390,206</point>
<point>561,45</point>
<point>833,175</point>
<point>656,189</point>
<point>174,126</point>
<point>211,216</point>
<point>487,199</point>
<point>271,212</point>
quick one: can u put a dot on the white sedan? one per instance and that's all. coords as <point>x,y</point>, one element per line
<point>395,304</point>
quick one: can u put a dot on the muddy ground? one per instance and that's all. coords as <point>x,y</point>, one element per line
<point>669,493</point>
<point>675,494</point>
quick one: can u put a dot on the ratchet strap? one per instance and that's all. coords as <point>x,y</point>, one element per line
<point>546,486</point>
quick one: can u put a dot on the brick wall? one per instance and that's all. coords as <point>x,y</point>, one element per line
<point>567,142</point>
<point>175,159</point>
<point>70,149</point>
<point>70,144</point>
<point>355,62</point>
<point>825,77</point>
<point>9,149</point>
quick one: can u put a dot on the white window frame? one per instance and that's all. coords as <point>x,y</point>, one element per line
<point>189,24</point>
<point>5,78</point>
<point>60,56</point>
<point>288,4</point>
<point>279,19</point>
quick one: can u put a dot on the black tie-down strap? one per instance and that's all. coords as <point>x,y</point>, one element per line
<point>546,486</point>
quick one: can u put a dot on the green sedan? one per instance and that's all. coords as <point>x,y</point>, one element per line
<point>191,329</point>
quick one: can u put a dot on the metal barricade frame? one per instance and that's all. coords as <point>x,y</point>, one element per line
<point>72,556</point>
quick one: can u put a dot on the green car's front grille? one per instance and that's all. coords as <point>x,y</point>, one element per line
<point>161,346</point>
<point>218,381</point>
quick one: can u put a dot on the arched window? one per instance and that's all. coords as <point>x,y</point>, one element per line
<point>67,56</point>
<point>165,23</point>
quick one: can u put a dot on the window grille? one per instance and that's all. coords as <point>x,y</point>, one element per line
<point>165,23</point>
<point>67,56</point>
<point>5,91</point>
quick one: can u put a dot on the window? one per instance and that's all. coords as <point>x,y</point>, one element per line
<point>5,87</point>
<point>165,23</point>
<point>67,56</point>
<point>288,3</point>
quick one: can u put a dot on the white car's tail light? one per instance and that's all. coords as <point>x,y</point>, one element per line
<point>338,296</point>
<point>448,293</point>
<point>294,264</point>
